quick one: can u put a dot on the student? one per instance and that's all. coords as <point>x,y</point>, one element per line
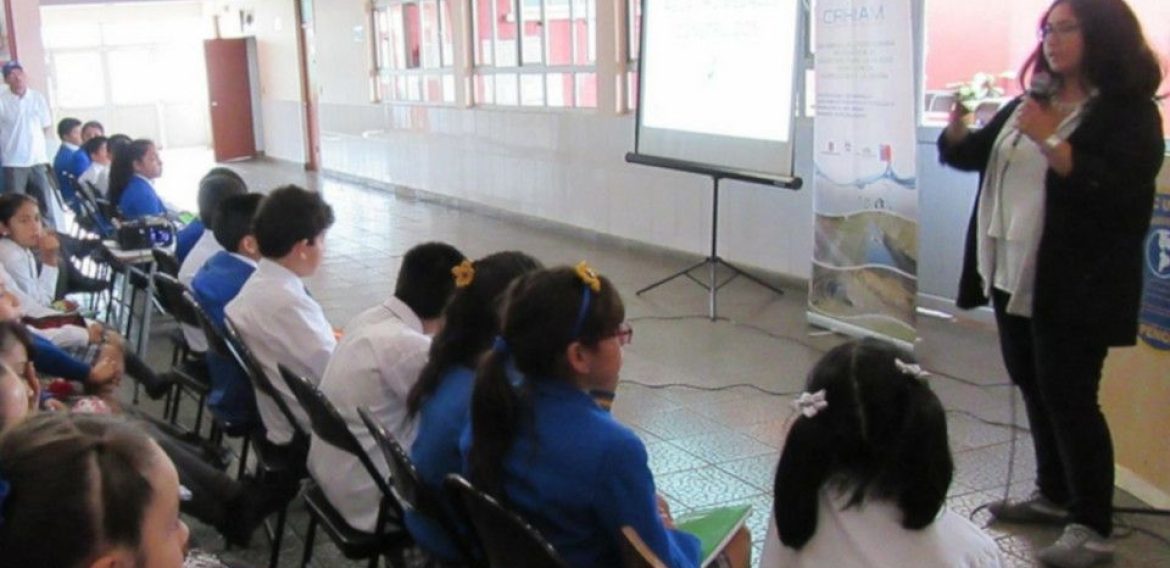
<point>378,360</point>
<point>217,183</point>
<point>92,129</point>
<point>213,188</point>
<point>865,470</point>
<point>98,172</point>
<point>234,508</point>
<point>440,400</point>
<point>540,442</point>
<point>278,319</point>
<point>28,252</point>
<point>132,178</point>
<point>69,132</point>
<point>216,284</point>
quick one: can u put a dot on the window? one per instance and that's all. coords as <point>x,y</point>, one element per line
<point>960,43</point>
<point>413,51</point>
<point>633,50</point>
<point>535,53</point>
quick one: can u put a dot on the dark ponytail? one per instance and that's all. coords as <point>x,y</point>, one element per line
<point>471,321</point>
<point>122,168</point>
<point>540,315</point>
<point>881,435</point>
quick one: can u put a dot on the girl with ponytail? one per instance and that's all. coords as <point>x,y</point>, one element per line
<point>865,470</point>
<point>540,442</point>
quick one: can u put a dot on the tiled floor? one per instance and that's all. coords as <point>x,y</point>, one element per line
<point>715,440</point>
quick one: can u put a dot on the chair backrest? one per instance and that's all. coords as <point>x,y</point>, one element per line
<point>507,540</point>
<point>171,294</point>
<point>255,371</point>
<point>216,343</point>
<point>635,553</point>
<point>329,424</point>
<point>165,261</point>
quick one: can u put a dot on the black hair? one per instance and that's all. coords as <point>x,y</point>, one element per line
<point>539,316</point>
<point>54,463</point>
<point>424,280</point>
<point>226,171</point>
<point>13,333</point>
<point>233,220</point>
<point>93,124</point>
<point>66,125</point>
<point>91,146</point>
<point>118,143</point>
<point>122,168</point>
<point>1117,59</point>
<point>213,188</point>
<point>471,320</point>
<point>882,435</point>
<point>288,215</point>
<point>11,202</point>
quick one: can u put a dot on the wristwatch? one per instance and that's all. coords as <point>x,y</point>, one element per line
<point>1052,142</point>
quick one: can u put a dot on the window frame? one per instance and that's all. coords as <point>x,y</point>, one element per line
<point>384,75</point>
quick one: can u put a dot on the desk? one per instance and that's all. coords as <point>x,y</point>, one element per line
<point>130,262</point>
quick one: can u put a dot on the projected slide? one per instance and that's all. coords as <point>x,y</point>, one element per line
<point>717,81</point>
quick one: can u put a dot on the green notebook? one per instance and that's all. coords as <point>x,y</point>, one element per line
<point>714,527</point>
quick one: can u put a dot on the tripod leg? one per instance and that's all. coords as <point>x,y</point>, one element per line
<point>682,272</point>
<point>747,275</point>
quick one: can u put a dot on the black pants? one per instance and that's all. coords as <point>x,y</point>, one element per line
<point>1058,371</point>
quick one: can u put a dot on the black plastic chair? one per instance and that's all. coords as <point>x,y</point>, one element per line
<point>410,490</point>
<point>279,463</point>
<point>165,261</point>
<point>189,367</point>
<point>507,539</point>
<point>217,346</point>
<point>330,427</point>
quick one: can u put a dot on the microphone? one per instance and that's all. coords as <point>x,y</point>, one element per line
<point>1041,89</point>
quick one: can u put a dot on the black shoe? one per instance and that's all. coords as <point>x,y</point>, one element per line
<point>157,386</point>
<point>255,503</point>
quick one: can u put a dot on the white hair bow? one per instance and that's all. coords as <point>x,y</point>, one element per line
<point>912,370</point>
<point>810,404</point>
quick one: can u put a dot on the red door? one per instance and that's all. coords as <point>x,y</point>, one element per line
<point>230,92</point>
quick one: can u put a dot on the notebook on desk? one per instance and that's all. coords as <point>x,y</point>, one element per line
<point>714,527</point>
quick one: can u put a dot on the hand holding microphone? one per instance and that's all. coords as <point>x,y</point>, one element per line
<point>1038,118</point>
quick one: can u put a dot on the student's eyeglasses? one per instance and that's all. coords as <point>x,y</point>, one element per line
<point>624,334</point>
<point>1063,29</point>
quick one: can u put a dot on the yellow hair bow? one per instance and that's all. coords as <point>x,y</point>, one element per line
<point>464,274</point>
<point>588,276</point>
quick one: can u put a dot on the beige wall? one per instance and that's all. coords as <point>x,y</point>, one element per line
<point>1136,396</point>
<point>26,25</point>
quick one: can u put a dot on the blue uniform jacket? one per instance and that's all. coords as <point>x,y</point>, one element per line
<point>140,200</point>
<point>216,284</point>
<point>578,476</point>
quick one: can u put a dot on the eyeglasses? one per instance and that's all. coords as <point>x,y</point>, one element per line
<point>1062,29</point>
<point>624,334</point>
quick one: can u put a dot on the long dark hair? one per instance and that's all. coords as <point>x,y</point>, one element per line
<point>1117,60</point>
<point>540,313</point>
<point>10,204</point>
<point>53,464</point>
<point>882,435</point>
<point>122,168</point>
<point>471,319</point>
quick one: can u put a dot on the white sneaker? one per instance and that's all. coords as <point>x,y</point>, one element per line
<point>1078,547</point>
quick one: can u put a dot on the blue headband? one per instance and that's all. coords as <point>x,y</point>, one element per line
<point>586,299</point>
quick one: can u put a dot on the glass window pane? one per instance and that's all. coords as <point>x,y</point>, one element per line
<point>79,80</point>
<point>485,92</point>
<point>482,31</point>
<point>430,35</point>
<point>560,89</point>
<point>634,26</point>
<point>632,90</point>
<point>413,87</point>
<point>584,32</point>
<point>433,88</point>
<point>59,36</point>
<point>448,46</point>
<point>396,42</point>
<point>183,79</point>
<point>507,92</point>
<point>448,88</point>
<point>587,90</point>
<point>532,89</point>
<point>505,21</point>
<point>412,24</point>
<point>560,32</point>
<point>132,77</point>
<point>532,44</point>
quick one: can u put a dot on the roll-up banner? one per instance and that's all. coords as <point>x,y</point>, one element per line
<point>865,259</point>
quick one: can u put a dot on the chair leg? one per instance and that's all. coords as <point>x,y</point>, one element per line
<point>277,537</point>
<point>310,533</point>
<point>243,457</point>
<point>199,414</point>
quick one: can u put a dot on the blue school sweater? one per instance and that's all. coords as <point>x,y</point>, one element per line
<point>216,284</point>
